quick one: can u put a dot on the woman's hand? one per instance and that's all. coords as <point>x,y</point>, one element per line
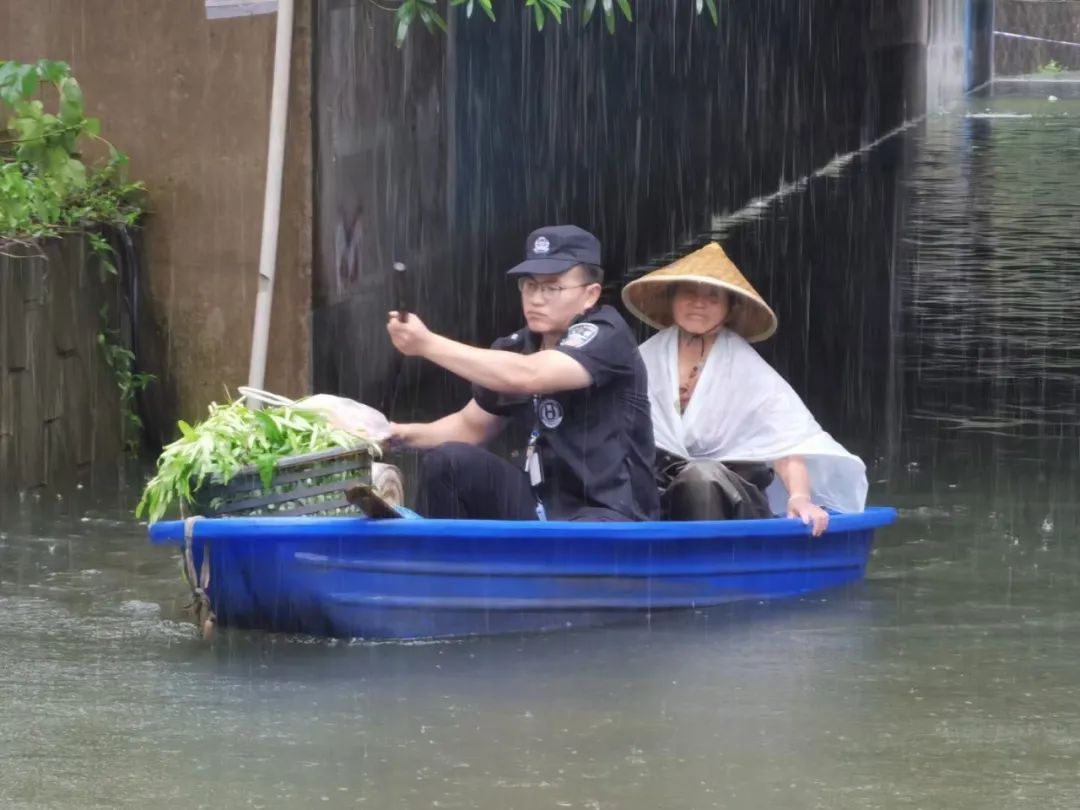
<point>801,507</point>
<point>410,337</point>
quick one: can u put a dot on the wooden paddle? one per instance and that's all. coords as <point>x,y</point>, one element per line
<point>372,504</point>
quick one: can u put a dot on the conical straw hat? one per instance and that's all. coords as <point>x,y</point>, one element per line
<point>649,297</point>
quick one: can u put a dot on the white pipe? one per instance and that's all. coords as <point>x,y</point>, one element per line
<point>275,164</point>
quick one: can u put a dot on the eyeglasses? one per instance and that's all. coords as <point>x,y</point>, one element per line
<point>529,286</point>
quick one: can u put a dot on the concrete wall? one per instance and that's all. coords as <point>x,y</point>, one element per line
<point>188,100</point>
<point>1047,20</point>
<point>59,403</point>
<point>382,185</point>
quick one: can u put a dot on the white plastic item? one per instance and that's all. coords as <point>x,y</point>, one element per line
<point>341,412</point>
<point>260,397</point>
<point>348,414</point>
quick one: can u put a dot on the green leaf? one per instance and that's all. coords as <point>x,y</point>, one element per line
<point>624,5</point>
<point>431,18</point>
<point>71,106</point>
<point>590,9</point>
<point>555,8</point>
<point>404,16</point>
<point>267,465</point>
<point>55,160</point>
<point>486,6</point>
<point>10,93</point>
<point>609,15</point>
<point>99,244</point>
<point>72,116</point>
<point>712,11</point>
<point>52,71</point>
<point>469,4</point>
<point>116,157</point>
<point>28,128</point>
<point>538,15</point>
<point>27,80</point>
<point>74,174</point>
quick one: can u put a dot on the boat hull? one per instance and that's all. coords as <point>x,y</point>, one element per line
<point>408,579</point>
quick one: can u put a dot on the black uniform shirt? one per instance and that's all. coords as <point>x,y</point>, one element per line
<point>596,443</point>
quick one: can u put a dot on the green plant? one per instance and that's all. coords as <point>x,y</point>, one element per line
<point>45,187</point>
<point>427,12</point>
<point>233,437</point>
<point>120,359</point>
<point>1051,68</point>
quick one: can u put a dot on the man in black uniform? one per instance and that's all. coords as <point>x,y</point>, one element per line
<point>573,376</point>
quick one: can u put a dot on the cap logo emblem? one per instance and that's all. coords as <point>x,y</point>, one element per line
<point>541,245</point>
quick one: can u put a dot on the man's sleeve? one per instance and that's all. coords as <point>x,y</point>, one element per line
<point>606,352</point>
<point>491,401</point>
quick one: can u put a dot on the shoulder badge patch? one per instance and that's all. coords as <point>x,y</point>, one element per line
<point>580,334</point>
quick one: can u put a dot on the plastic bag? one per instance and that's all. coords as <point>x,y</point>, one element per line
<point>341,412</point>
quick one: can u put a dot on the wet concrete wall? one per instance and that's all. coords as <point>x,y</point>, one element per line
<point>188,99</point>
<point>1045,20</point>
<point>59,402</point>
<point>447,155</point>
<point>382,174</point>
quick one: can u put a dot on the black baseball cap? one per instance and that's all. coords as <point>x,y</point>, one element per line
<point>556,249</point>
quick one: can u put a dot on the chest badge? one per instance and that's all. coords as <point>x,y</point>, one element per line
<point>550,413</point>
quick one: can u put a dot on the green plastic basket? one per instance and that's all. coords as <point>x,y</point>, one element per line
<point>313,484</point>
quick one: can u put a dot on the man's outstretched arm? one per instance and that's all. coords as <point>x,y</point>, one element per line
<point>544,372</point>
<point>472,424</point>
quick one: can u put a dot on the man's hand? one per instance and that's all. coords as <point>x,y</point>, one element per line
<point>544,372</point>
<point>399,436</point>
<point>410,337</point>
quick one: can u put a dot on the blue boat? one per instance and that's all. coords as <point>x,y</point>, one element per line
<point>356,577</point>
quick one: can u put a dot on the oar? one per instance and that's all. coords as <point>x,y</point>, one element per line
<point>369,501</point>
<point>401,296</point>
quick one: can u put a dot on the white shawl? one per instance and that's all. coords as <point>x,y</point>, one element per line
<point>743,410</point>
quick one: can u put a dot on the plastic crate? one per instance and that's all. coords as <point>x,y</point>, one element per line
<point>312,484</point>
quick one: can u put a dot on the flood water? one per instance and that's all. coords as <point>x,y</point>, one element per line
<point>946,679</point>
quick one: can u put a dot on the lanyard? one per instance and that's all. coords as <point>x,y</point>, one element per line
<point>533,466</point>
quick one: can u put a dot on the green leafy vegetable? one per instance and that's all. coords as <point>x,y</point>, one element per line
<point>233,437</point>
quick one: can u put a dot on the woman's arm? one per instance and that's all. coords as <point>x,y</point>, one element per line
<point>796,479</point>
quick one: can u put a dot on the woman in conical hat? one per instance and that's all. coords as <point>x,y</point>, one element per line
<point>733,438</point>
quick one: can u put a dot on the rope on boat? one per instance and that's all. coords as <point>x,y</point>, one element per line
<point>199,581</point>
